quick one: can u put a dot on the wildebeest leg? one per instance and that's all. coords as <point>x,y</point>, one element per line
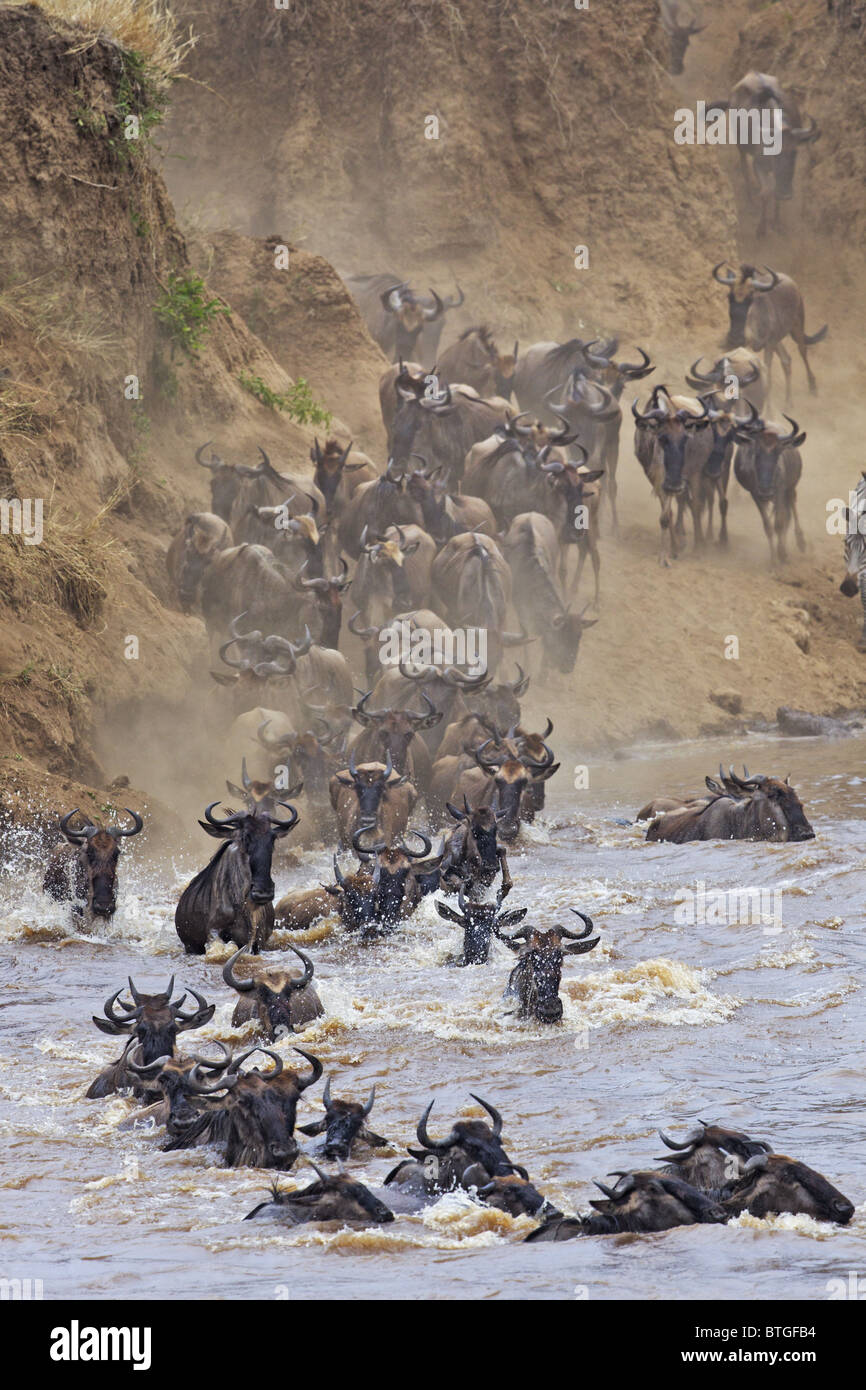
<point>800,339</point>
<point>798,530</point>
<point>710,496</point>
<point>668,541</point>
<point>763,506</point>
<point>768,372</point>
<point>723,518</point>
<point>696,503</point>
<point>861,645</point>
<point>609,463</point>
<point>785,359</point>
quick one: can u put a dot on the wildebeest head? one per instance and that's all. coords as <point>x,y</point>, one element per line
<point>511,774</point>
<point>721,373</point>
<point>356,897</point>
<point>226,478</point>
<point>329,466</point>
<point>710,1156</point>
<point>671,425</point>
<point>253,834</point>
<point>153,1019</point>
<point>472,851</point>
<point>369,781</point>
<point>259,796</point>
<point>479,921</point>
<point>395,728</point>
<point>536,977</point>
<point>680,21</point>
<point>767,443</point>
<point>331,1198</point>
<point>409,312</point>
<point>271,991</point>
<point>778,802</point>
<point>742,293</point>
<point>412,411</point>
<point>396,866</point>
<point>771,1183</point>
<point>257,1116</point>
<point>614,375</point>
<point>647,1201</point>
<point>99,851</point>
<point>171,1076</point>
<point>343,1123</point>
<point>470,1143</point>
<point>512,1194</point>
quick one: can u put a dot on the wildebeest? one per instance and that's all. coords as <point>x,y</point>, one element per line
<point>534,981</point>
<point>640,1201</point>
<point>768,465</point>
<point>681,20</point>
<point>279,1001</point>
<point>393,731</point>
<point>84,872</point>
<point>344,1125</point>
<point>736,377</point>
<point>442,428</point>
<point>235,488</point>
<point>710,1156</point>
<point>202,536</point>
<point>855,552</point>
<point>233,896</point>
<point>447,514</point>
<point>578,491</point>
<point>531,550</point>
<point>472,1150</point>
<point>376,505</point>
<point>672,445</point>
<point>510,771</point>
<point>397,317</point>
<point>769,179</point>
<point>750,808</point>
<point>475,360</point>
<point>169,1078</point>
<point>393,571</point>
<point>151,1023</point>
<point>369,795</point>
<point>400,878</point>
<point>335,476</point>
<point>763,312</point>
<point>471,854</point>
<point>333,1197</point>
<point>472,580</point>
<point>255,1118</point>
<point>323,612</point>
<point>479,922</point>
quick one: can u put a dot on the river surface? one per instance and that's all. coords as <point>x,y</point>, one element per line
<point>757,1025</point>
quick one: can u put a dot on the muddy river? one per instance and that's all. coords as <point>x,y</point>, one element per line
<point>683,1011</point>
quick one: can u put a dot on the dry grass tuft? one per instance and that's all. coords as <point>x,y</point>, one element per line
<point>146,28</point>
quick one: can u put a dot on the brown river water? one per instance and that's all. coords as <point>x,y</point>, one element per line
<point>756,1025</point>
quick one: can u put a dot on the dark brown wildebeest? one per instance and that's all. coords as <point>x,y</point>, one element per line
<point>323,611</point>
<point>640,1201</point>
<point>376,505</point>
<point>336,477</point>
<point>763,312</point>
<point>534,981</point>
<point>710,1156</point>
<point>710,482</point>
<point>279,1001</point>
<point>344,1125</point>
<point>479,921</point>
<point>672,444</point>
<point>442,428</point>
<point>372,795</point>
<point>412,377</point>
<point>393,571</point>
<point>752,808</point>
<point>402,322</point>
<point>400,879</point>
<point>334,1197</point>
<point>168,1078</point>
<point>768,465</point>
<point>393,732</point>
<point>532,552</point>
<point>255,1118</point>
<point>203,535</point>
<point>446,514</point>
<point>578,492</point>
<point>471,854</point>
<point>475,360</point>
<point>681,20</point>
<point>772,1183</point>
<point>737,377</point>
<point>233,896</point>
<point>472,1155</point>
<point>151,1023</point>
<point>500,780</point>
<point>84,872</point>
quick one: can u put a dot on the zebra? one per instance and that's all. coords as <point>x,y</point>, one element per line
<point>855,552</point>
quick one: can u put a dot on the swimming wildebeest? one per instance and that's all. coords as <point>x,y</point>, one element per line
<point>331,1198</point>
<point>151,1023</point>
<point>535,979</point>
<point>640,1201</point>
<point>750,808</point>
<point>471,1155</point>
<point>279,1001</point>
<point>233,896</point>
<point>479,922</point>
<point>344,1125</point>
<point>85,873</point>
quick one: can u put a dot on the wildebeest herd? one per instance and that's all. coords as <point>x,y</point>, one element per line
<point>376,730</point>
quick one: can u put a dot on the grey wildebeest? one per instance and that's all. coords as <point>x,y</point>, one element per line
<point>472,579</point>
<point>479,922</point>
<point>531,550</point>
<point>372,795</point>
<point>202,536</point>
<point>375,506</point>
<point>151,1023</point>
<point>748,808</point>
<point>855,553</point>
<point>475,360</point>
<point>392,732</point>
<point>681,20</point>
<point>768,465</point>
<point>672,445</point>
<point>233,896</point>
<point>470,1156</point>
<point>279,1001</point>
<point>577,490</point>
<point>745,1175</point>
<point>393,571</point>
<point>84,871</point>
<point>763,312</point>
<point>769,179</point>
<point>737,377</point>
<point>344,1124</point>
<point>235,488</point>
<point>441,429</point>
<point>534,981</point>
<point>402,322</point>
<point>332,1197</point>
<point>445,513</point>
<point>255,1117</point>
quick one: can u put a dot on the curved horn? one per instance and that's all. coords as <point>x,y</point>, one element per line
<point>309,970</point>
<point>436,1145</point>
<point>242,986</point>
<point>492,1112</point>
<point>316,1066</point>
